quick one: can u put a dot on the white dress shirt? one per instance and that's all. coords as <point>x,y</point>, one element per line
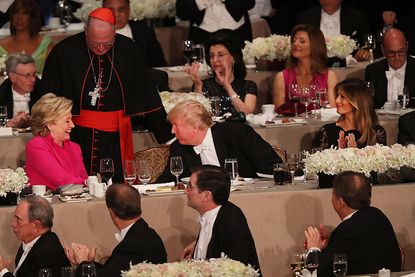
<point>396,79</point>
<point>207,150</point>
<point>121,235</point>
<point>330,24</point>
<point>207,220</point>
<point>20,102</point>
<point>216,16</point>
<point>126,31</point>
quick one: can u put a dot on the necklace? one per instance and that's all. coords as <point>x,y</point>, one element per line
<point>96,92</point>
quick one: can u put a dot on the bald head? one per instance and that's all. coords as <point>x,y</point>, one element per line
<point>395,48</point>
<point>124,201</point>
<point>100,35</point>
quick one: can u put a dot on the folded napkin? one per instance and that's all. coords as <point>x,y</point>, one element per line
<point>329,114</point>
<point>259,119</point>
<point>143,188</point>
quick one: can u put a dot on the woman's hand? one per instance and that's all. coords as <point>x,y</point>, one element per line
<point>341,142</point>
<point>351,141</point>
<point>225,78</point>
<point>193,71</point>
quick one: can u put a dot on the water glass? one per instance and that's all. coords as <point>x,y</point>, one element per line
<point>106,168</point>
<point>297,264</point>
<point>403,98</point>
<point>45,272</point>
<point>88,270</point>
<point>231,166</point>
<point>340,265</point>
<point>176,167</point>
<point>280,174</point>
<point>215,106</point>
<point>144,174</point>
<point>129,171</point>
<point>3,116</point>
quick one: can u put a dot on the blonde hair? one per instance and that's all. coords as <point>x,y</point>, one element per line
<point>360,98</point>
<point>193,112</point>
<point>46,111</point>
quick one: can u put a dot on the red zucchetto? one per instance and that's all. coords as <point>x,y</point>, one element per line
<point>103,14</point>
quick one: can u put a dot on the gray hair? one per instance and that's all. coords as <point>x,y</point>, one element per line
<point>17,58</point>
<point>39,209</point>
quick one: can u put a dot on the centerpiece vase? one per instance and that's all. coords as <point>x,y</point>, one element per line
<point>9,200</point>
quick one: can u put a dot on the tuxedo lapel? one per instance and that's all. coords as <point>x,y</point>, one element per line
<point>18,255</point>
<point>221,147</point>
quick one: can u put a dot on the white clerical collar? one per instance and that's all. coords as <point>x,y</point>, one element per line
<point>349,216</point>
<point>209,217</point>
<point>121,235</point>
<point>400,70</point>
<point>20,97</point>
<point>126,31</point>
<point>206,144</point>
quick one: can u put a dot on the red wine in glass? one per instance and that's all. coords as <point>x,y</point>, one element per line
<point>311,260</point>
<point>188,50</point>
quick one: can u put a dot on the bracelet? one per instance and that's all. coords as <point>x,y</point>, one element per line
<point>234,96</point>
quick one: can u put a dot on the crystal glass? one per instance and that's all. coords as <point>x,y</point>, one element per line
<point>305,97</point>
<point>311,260</point>
<point>340,265</point>
<point>176,167</point>
<point>403,98</point>
<point>199,53</point>
<point>294,95</point>
<point>106,168</point>
<point>187,50</point>
<point>297,264</point>
<point>279,173</point>
<point>88,270</point>
<point>3,116</point>
<point>144,174</point>
<point>45,272</point>
<point>292,164</point>
<point>231,166</point>
<point>215,106</point>
<point>322,97</point>
<point>130,171</point>
<point>65,12</point>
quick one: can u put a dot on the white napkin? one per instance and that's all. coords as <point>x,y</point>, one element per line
<point>329,114</point>
<point>350,60</point>
<point>260,118</point>
<point>143,188</point>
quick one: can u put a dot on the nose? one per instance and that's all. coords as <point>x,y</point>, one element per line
<point>71,125</point>
<point>338,100</point>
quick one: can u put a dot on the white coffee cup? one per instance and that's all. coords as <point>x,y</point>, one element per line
<point>90,183</point>
<point>39,190</point>
<point>54,22</point>
<point>390,106</point>
<point>268,109</point>
<point>99,189</point>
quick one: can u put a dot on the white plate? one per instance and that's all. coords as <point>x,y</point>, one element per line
<point>73,199</point>
<point>280,123</point>
<point>155,193</point>
<point>176,68</point>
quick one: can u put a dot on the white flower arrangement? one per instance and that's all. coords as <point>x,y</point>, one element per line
<point>377,158</point>
<point>274,47</point>
<point>87,7</point>
<point>221,267</point>
<point>340,46</point>
<point>12,180</point>
<point>170,99</point>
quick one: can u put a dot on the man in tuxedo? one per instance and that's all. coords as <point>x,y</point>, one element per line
<point>224,228</point>
<point>143,35</point>
<point>137,241</point>
<point>21,90</point>
<point>199,141</point>
<point>392,74</point>
<point>41,248</point>
<point>365,234</point>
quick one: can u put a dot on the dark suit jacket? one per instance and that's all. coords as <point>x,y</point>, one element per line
<point>47,252</point>
<point>406,134</point>
<point>6,96</point>
<point>375,73</point>
<point>141,243</point>
<point>352,21</point>
<point>232,140</point>
<point>231,235</point>
<point>368,240</point>
<point>146,38</point>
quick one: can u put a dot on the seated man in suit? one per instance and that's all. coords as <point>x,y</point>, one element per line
<point>143,35</point>
<point>21,90</point>
<point>199,141</point>
<point>390,75</point>
<point>365,234</point>
<point>406,133</point>
<point>41,248</point>
<point>224,228</point>
<point>137,241</point>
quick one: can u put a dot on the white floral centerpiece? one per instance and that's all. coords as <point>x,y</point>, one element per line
<point>170,99</point>
<point>340,46</point>
<point>86,8</point>
<point>12,180</point>
<point>377,158</point>
<point>274,47</point>
<point>221,267</point>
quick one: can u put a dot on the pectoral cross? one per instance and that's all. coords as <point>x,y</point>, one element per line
<point>94,95</point>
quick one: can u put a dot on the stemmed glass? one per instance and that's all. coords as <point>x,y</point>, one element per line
<point>65,13</point>
<point>187,50</point>
<point>176,167</point>
<point>129,171</point>
<point>3,116</point>
<point>144,174</point>
<point>340,265</point>
<point>45,272</point>
<point>106,168</point>
<point>305,97</point>
<point>215,106</point>
<point>311,260</point>
<point>322,97</point>
<point>231,167</point>
<point>403,98</point>
<point>292,163</point>
<point>297,264</point>
<point>370,45</point>
<point>199,53</point>
<point>88,270</point>
<point>294,96</point>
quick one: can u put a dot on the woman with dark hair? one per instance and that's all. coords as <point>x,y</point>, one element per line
<point>228,73</point>
<point>306,66</point>
<point>358,125</point>
<point>25,24</point>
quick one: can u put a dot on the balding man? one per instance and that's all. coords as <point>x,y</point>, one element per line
<point>137,241</point>
<point>390,75</point>
<point>41,248</point>
<point>364,235</point>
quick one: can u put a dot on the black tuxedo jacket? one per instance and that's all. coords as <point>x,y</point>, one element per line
<point>146,38</point>
<point>6,95</point>
<point>141,243</point>
<point>47,252</point>
<point>231,235</point>
<point>406,134</point>
<point>375,73</point>
<point>232,140</point>
<point>368,240</point>
<point>353,22</point>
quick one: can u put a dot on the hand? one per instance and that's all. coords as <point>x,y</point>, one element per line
<point>314,238</point>
<point>82,253</point>
<point>323,235</point>
<point>389,18</point>
<point>362,55</point>
<point>193,71</point>
<point>187,253</point>
<point>21,119</point>
<point>226,77</point>
<point>351,141</point>
<point>341,142</point>
<point>4,264</point>
<point>71,256</point>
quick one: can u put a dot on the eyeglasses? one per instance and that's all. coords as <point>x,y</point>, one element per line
<point>400,53</point>
<point>219,55</point>
<point>26,75</point>
<point>100,44</point>
<point>190,187</point>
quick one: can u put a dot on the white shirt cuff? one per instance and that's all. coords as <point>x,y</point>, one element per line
<point>314,248</point>
<point>4,271</point>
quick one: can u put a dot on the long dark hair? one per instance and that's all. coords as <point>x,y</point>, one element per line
<point>30,7</point>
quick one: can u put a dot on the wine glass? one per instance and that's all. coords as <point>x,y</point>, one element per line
<point>403,98</point>
<point>297,264</point>
<point>292,163</point>
<point>3,116</point>
<point>215,106</point>
<point>231,166</point>
<point>45,272</point>
<point>187,50</point>
<point>88,270</point>
<point>305,97</point>
<point>65,13</point>
<point>199,53</point>
<point>294,96</point>
<point>176,167</point>
<point>340,265</point>
<point>106,168</point>
<point>311,260</point>
<point>144,174</point>
<point>129,171</point>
